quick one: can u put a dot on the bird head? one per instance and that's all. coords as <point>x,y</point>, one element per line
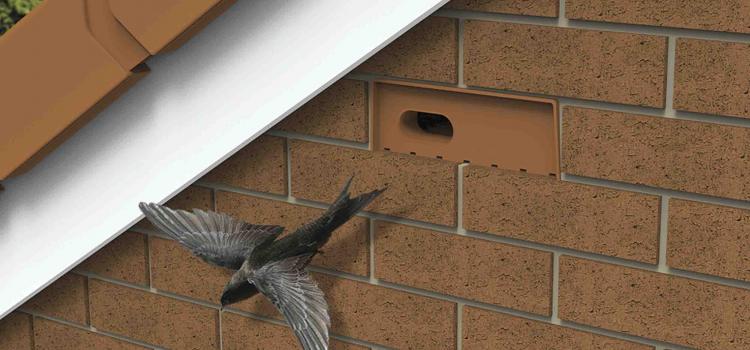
<point>236,291</point>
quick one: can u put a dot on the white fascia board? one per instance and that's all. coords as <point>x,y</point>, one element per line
<point>243,73</point>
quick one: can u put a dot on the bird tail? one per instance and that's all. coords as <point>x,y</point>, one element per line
<point>343,209</point>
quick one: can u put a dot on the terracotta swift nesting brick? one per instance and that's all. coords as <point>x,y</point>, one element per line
<point>709,239</point>
<point>465,267</point>
<point>653,305</point>
<point>418,188</point>
<point>587,254</point>
<point>593,65</point>
<point>545,210</point>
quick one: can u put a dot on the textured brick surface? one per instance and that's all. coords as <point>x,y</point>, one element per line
<point>124,259</point>
<point>64,298</point>
<point>669,153</point>
<point>338,112</point>
<point>49,335</point>
<point>15,332</point>
<point>193,197</point>
<point>719,15</point>
<point>259,166</point>
<point>176,270</point>
<point>491,330</point>
<point>545,210</point>
<point>466,267</point>
<point>545,8</point>
<point>347,249</point>
<point>384,316</point>
<point>711,76</point>
<point>244,333</point>
<point>428,51</point>
<point>709,239</point>
<point>418,188</point>
<point>607,66</point>
<point>152,318</point>
<point>388,317</point>
<point>653,305</point>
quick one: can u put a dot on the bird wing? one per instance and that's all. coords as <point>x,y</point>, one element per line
<point>293,291</point>
<point>215,237</point>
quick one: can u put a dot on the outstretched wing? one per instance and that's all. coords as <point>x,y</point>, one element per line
<point>298,298</point>
<point>215,237</point>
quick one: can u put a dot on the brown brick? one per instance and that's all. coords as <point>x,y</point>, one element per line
<point>544,8</point>
<point>64,298</point>
<point>466,267</point>
<point>175,269</point>
<point>338,112</point>
<point>49,335</point>
<point>709,239</point>
<point>668,153</point>
<point>244,333</point>
<point>193,197</point>
<point>595,65</point>
<point>418,188</point>
<point>15,332</point>
<point>711,77</point>
<point>428,51</point>
<point>544,210</point>
<point>719,15</point>
<point>387,316</point>
<point>259,166</point>
<point>124,258</point>
<point>382,315</point>
<point>152,318</point>
<point>347,250</point>
<point>653,305</point>
<point>491,330</point>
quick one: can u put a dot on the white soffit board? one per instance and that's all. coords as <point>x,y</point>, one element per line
<point>247,70</point>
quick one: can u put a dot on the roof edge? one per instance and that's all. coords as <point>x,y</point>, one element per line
<point>200,104</point>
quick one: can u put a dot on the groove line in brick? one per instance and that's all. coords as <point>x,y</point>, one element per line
<point>579,102</point>
<point>669,84</point>
<point>394,286</point>
<point>91,329</point>
<point>599,26</point>
<point>508,240</point>
<point>663,231</point>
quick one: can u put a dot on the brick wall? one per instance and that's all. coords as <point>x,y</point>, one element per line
<point>643,243</point>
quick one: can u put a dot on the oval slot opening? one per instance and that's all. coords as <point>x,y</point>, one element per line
<point>429,123</point>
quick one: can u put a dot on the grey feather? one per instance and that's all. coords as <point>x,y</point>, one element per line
<point>275,268</point>
<point>293,291</point>
<point>216,238</point>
